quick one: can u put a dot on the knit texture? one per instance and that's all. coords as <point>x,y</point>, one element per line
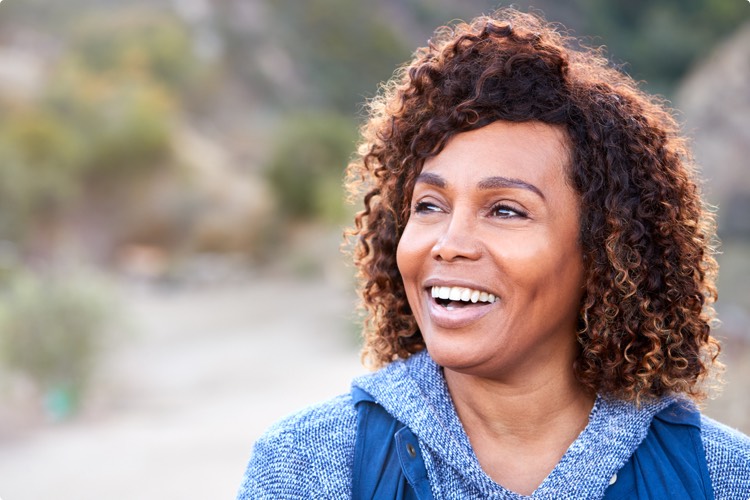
<point>310,454</point>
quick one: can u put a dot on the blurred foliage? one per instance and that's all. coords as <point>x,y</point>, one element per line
<point>39,163</point>
<point>137,42</point>
<point>307,165</point>
<point>344,48</point>
<point>84,129</point>
<point>124,121</point>
<point>52,330</point>
<point>660,41</point>
<point>103,118</point>
<point>121,75</point>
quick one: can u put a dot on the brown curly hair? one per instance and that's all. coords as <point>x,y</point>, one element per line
<point>646,237</point>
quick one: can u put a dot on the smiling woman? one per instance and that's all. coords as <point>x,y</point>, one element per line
<point>536,265</point>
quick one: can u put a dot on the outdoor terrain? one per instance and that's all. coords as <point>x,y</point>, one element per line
<point>178,408</point>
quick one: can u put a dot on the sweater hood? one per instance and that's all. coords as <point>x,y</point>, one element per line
<point>414,392</point>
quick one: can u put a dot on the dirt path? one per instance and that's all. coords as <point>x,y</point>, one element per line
<point>182,401</point>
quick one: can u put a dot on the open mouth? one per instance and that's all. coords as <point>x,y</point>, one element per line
<point>455,297</point>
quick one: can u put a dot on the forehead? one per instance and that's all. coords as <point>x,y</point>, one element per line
<point>533,152</point>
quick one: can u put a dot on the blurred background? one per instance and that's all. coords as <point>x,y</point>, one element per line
<point>171,211</point>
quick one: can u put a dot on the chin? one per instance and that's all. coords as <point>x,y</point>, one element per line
<point>454,358</point>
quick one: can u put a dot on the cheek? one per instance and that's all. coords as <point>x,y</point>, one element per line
<point>405,258</point>
<point>412,253</point>
<point>542,264</point>
<point>410,260</point>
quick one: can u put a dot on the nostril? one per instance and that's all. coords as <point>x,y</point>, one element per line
<point>458,241</point>
<point>451,252</point>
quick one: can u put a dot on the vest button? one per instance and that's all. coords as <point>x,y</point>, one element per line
<point>411,450</point>
<point>613,479</point>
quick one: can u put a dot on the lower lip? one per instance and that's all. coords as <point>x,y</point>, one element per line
<point>459,317</point>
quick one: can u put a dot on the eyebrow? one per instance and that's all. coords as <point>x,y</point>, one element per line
<point>495,182</point>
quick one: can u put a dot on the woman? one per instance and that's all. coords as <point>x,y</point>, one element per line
<point>536,265</point>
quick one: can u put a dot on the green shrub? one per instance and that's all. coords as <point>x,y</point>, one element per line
<point>136,39</point>
<point>307,166</point>
<point>125,122</point>
<point>40,162</point>
<point>343,48</point>
<point>52,331</point>
<point>86,130</point>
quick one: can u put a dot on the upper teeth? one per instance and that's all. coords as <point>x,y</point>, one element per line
<point>462,294</point>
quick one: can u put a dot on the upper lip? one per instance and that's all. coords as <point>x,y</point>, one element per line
<point>451,282</point>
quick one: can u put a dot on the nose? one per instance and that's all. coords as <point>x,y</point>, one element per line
<point>458,241</point>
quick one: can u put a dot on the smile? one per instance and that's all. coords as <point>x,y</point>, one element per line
<point>455,307</point>
<point>457,296</point>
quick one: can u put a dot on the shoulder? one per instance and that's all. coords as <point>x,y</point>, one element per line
<point>728,458</point>
<point>724,444</point>
<point>306,455</point>
<point>331,419</point>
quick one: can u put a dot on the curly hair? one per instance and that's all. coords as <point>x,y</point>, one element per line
<point>646,237</point>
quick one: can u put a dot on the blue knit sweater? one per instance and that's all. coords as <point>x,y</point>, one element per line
<point>310,454</point>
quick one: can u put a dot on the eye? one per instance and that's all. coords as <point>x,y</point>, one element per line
<point>505,211</point>
<point>425,207</point>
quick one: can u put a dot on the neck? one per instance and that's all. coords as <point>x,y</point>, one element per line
<point>527,409</point>
<point>521,420</point>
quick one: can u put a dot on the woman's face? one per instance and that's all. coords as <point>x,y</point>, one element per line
<point>490,256</point>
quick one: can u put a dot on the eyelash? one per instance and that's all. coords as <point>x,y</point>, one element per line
<point>502,206</point>
<point>422,207</point>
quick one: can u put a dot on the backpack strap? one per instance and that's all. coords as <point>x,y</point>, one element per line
<point>388,462</point>
<point>670,463</point>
